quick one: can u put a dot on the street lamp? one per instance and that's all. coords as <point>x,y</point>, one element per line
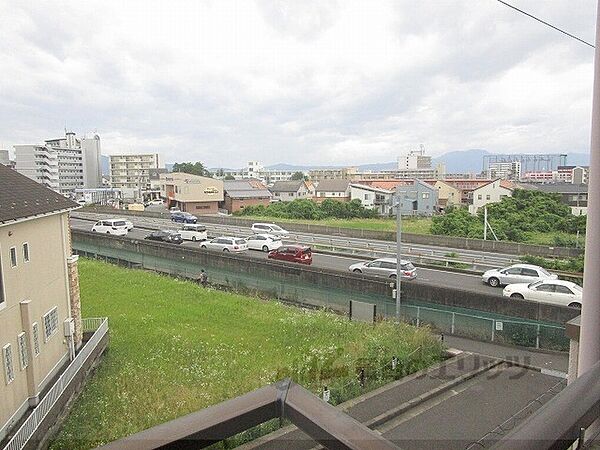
<point>398,206</point>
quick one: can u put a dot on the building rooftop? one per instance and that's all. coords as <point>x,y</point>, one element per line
<point>561,188</point>
<point>287,186</point>
<point>332,186</point>
<point>245,189</point>
<point>21,197</point>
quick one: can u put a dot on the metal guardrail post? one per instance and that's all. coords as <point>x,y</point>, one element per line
<point>452,325</point>
<point>537,336</point>
<point>418,315</point>
<point>493,329</point>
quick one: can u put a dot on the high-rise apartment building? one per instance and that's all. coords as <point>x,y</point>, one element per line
<point>505,170</point>
<point>63,164</point>
<point>415,159</point>
<point>131,173</point>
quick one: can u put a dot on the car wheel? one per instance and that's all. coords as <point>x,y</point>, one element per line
<point>519,296</point>
<point>225,249</point>
<point>494,282</point>
<point>193,238</point>
<point>265,248</point>
<point>357,271</point>
<point>575,305</point>
<point>203,246</point>
<point>393,276</point>
<point>108,232</point>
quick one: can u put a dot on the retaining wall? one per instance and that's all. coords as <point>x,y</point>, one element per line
<point>510,248</point>
<point>331,279</point>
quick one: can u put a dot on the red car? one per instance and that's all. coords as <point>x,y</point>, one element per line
<point>292,253</point>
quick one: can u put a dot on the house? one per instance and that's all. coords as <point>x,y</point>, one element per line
<point>492,192</point>
<point>417,199</point>
<point>286,191</point>
<point>332,189</point>
<point>242,193</point>
<point>466,186</point>
<point>447,194</point>
<point>386,184</point>
<point>573,195</point>
<point>372,197</point>
<point>191,193</point>
<point>40,318</point>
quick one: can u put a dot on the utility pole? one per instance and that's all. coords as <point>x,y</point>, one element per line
<point>485,223</point>
<point>589,342</point>
<point>398,255</point>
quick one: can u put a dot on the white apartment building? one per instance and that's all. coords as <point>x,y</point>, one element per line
<point>255,169</point>
<point>131,173</point>
<point>415,159</point>
<point>504,170</point>
<point>4,158</point>
<point>62,164</point>
<point>563,174</point>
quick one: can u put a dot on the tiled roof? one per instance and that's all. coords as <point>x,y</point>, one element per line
<point>21,197</point>
<point>332,186</point>
<point>287,186</point>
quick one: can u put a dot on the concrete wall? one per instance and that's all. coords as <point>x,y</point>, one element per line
<point>331,279</point>
<point>510,248</point>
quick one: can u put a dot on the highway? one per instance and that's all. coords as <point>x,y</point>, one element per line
<point>320,260</point>
<point>426,254</point>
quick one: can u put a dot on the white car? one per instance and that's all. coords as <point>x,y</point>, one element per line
<point>193,232</point>
<point>155,202</point>
<point>269,228</point>
<point>116,227</point>
<point>517,273</point>
<point>128,223</point>
<point>556,292</point>
<point>264,242</point>
<point>226,244</point>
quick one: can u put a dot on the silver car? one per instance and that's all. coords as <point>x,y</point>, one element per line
<point>226,244</point>
<point>518,273</point>
<point>385,267</point>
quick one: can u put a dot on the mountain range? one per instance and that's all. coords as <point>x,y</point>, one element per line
<point>458,161</point>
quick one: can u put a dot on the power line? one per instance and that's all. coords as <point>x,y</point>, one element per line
<point>546,23</point>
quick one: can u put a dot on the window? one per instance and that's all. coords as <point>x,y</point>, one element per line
<point>425,194</point>
<point>563,290</point>
<point>366,196</point>
<point>13,257</point>
<point>513,271</point>
<point>35,329</point>
<point>545,288</point>
<point>9,371</point>
<point>23,354</point>
<point>529,273</point>
<point>479,197</point>
<point>50,323</point>
<point>487,197</point>
<point>26,252</point>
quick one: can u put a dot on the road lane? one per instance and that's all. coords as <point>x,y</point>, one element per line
<point>341,263</point>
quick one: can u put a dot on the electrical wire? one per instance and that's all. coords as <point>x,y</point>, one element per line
<point>545,23</point>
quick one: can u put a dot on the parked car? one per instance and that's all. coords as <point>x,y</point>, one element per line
<point>184,217</point>
<point>293,253</point>
<point>269,228</point>
<point>556,292</point>
<point>385,267</point>
<point>168,236</point>
<point>264,242</point>
<point>517,273</point>
<point>116,227</point>
<point>155,202</point>
<point>128,223</point>
<point>226,244</point>
<point>174,209</point>
<point>193,232</point>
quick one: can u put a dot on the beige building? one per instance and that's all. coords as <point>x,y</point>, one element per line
<point>345,173</point>
<point>40,319</point>
<point>448,195</point>
<point>131,174</point>
<point>191,193</point>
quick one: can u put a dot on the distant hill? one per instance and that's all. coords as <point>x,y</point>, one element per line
<point>462,161</point>
<point>578,159</point>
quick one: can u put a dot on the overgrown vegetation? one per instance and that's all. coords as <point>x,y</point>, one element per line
<point>176,348</point>
<point>518,218</point>
<point>196,168</point>
<point>307,209</point>
<point>564,265</point>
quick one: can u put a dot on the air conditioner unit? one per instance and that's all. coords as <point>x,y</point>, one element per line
<point>69,327</point>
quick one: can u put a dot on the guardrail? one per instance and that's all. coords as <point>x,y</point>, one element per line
<point>28,428</point>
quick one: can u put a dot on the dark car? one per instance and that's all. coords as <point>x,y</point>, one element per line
<point>293,253</point>
<point>184,217</point>
<point>165,236</point>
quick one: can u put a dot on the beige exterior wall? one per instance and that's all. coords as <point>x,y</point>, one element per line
<point>490,193</point>
<point>43,281</point>
<point>449,194</point>
<point>182,187</point>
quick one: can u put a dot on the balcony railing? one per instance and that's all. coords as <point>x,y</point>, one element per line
<point>37,416</point>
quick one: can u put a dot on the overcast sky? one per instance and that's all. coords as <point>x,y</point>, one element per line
<point>302,82</point>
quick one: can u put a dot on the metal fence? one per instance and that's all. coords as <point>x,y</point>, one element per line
<point>28,428</point>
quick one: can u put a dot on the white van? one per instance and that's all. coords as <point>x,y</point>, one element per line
<point>193,232</point>
<point>269,228</point>
<point>118,227</point>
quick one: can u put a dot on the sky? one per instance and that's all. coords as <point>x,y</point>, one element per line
<point>317,82</point>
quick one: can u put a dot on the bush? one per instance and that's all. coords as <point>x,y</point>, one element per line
<point>307,209</point>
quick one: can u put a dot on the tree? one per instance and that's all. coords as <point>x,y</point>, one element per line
<point>229,177</point>
<point>297,176</point>
<point>196,168</point>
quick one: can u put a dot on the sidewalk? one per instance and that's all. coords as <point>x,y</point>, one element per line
<point>551,361</point>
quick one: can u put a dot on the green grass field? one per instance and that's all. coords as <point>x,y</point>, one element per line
<point>176,348</point>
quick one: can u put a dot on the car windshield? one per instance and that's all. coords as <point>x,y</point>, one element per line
<point>577,288</point>
<point>274,239</point>
<point>407,266</point>
<point>276,228</point>
<point>307,251</point>
<point>544,271</point>
<point>534,284</point>
<point>240,241</point>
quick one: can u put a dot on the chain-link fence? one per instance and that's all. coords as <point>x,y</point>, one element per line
<point>475,325</point>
